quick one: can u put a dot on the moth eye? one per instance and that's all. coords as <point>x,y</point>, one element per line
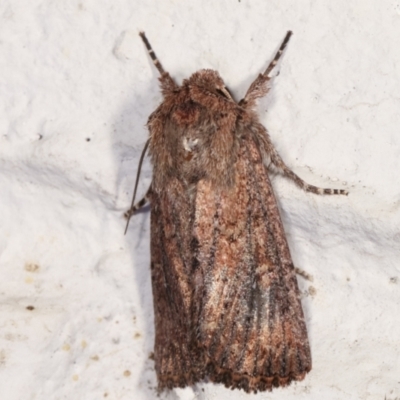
<point>224,93</point>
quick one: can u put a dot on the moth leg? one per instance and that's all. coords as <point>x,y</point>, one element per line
<point>140,204</point>
<point>304,274</point>
<point>285,170</point>
<point>136,207</point>
<point>259,87</point>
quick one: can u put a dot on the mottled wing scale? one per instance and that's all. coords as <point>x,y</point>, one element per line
<point>175,351</point>
<point>250,321</point>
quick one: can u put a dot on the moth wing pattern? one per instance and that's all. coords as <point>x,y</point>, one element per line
<point>226,300</point>
<point>250,319</point>
<point>175,351</point>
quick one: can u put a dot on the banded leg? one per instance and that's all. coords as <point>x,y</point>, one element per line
<point>304,274</point>
<point>285,170</point>
<point>131,211</point>
<point>259,88</point>
<point>136,207</point>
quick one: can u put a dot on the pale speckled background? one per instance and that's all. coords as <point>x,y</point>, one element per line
<point>76,88</point>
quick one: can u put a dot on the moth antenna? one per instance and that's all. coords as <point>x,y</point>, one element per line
<point>278,54</point>
<point>152,54</point>
<point>260,86</point>
<point>136,184</point>
<point>167,83</point>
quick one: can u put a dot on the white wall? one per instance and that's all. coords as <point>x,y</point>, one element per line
<point>76,88</point>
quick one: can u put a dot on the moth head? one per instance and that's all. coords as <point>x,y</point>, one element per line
<point>206,84</point>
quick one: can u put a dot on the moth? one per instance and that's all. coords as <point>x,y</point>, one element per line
<point>226,301</point>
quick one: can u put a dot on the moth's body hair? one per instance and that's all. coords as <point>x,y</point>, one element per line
<point>226,301</point>
<point>189,144</point>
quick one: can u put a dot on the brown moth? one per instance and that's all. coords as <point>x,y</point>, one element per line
<point>226,301</point>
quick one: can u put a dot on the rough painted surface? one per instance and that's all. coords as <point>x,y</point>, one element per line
<point>76,89</point>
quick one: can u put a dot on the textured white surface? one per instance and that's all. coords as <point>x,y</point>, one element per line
<point>76,88</point>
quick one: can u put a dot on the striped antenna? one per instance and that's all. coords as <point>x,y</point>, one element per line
<point>278,54</point>
<point>153,56</point>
